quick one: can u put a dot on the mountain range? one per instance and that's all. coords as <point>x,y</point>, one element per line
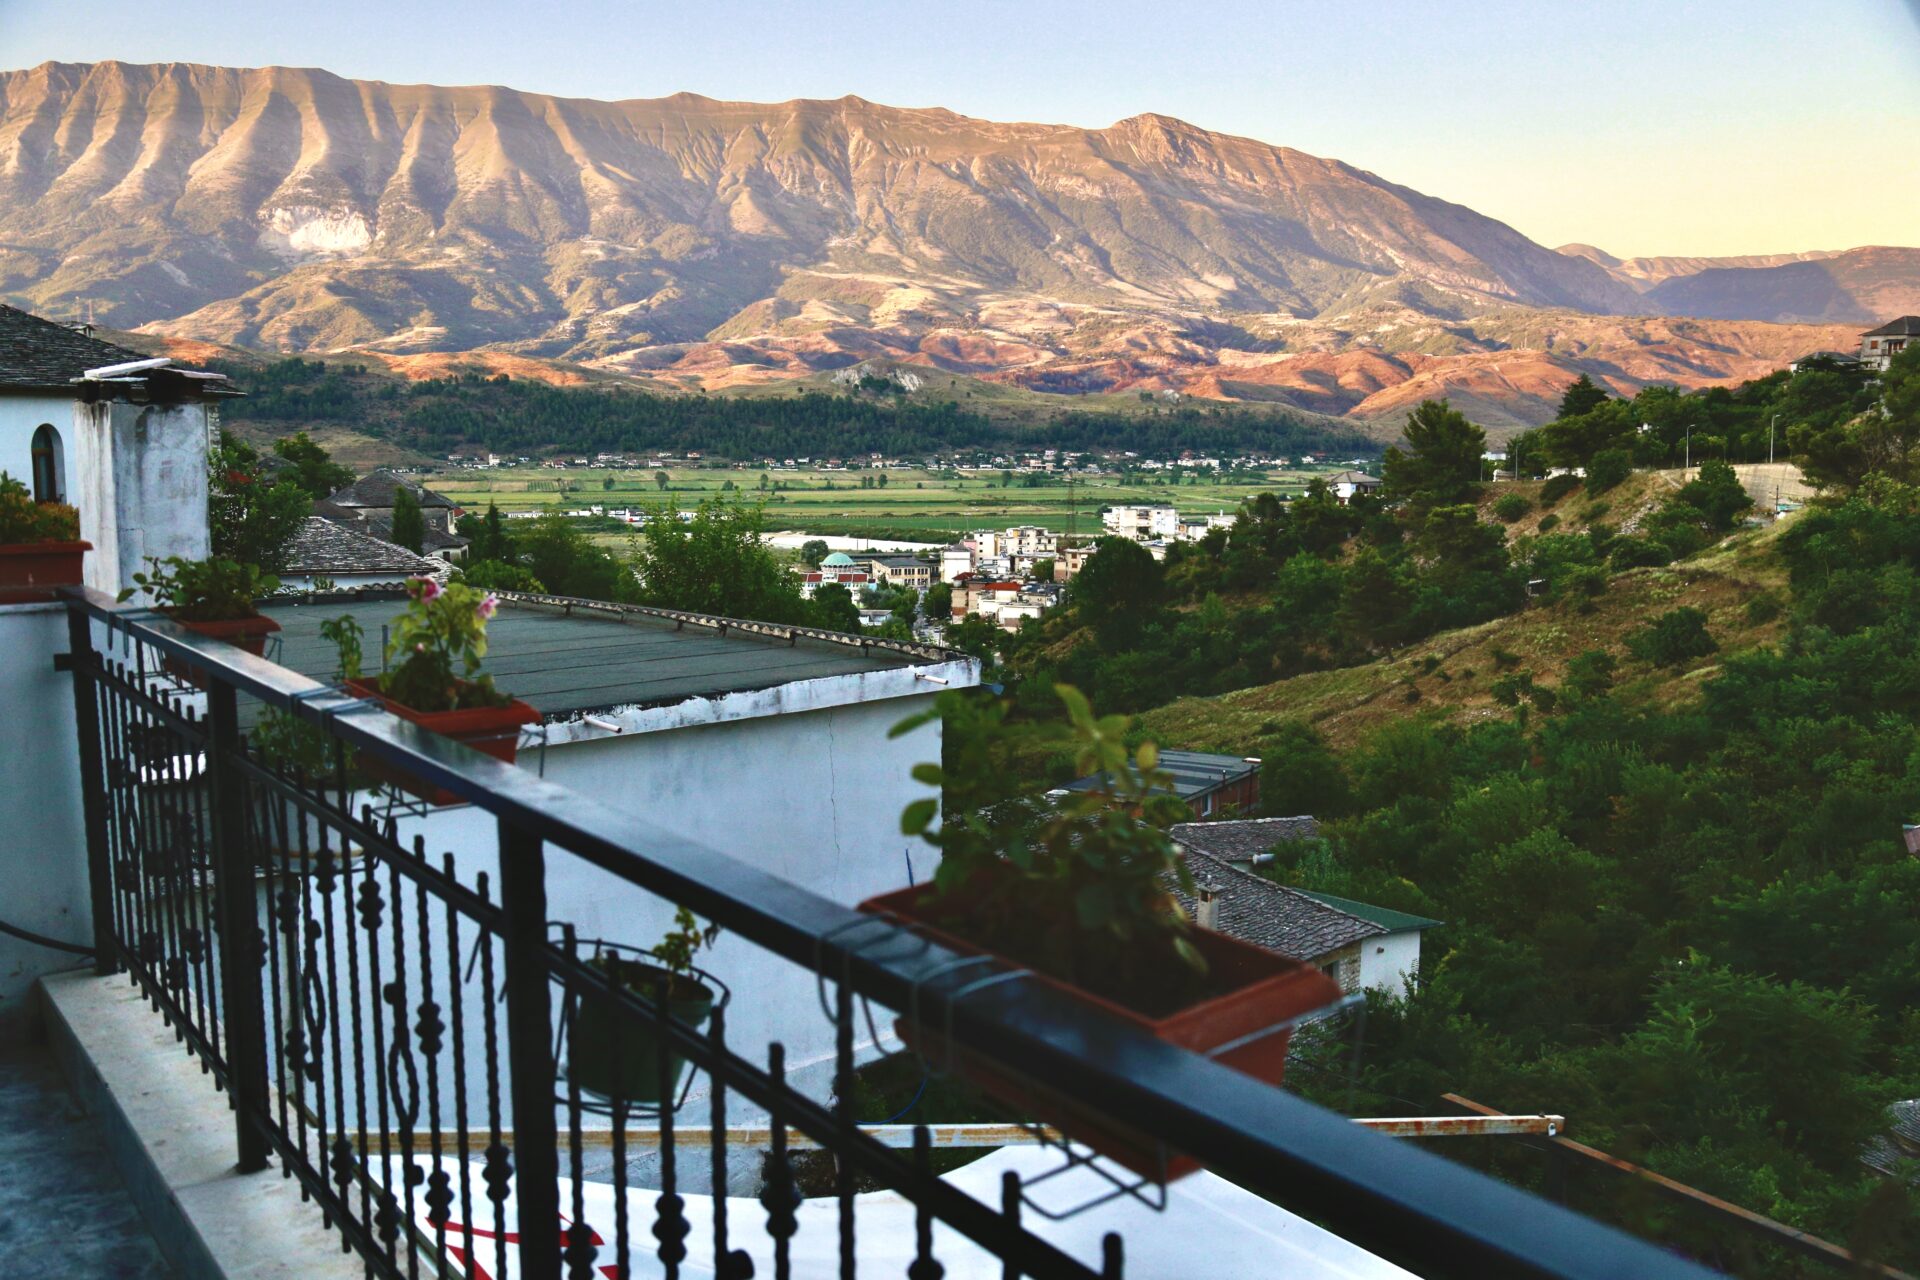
<point>693,243</point>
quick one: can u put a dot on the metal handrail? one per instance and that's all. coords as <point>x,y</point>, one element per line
<point>1401,1202</point>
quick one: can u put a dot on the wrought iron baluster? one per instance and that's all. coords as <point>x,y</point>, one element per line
<point>923,1266</point>
<point>779,1195</point>
<point>536,1150</point>
<point>455,1003</point>
<point>670,1229</point>
<point>239,932</point>
<point>499,1171</point>
<point>843,1091</point>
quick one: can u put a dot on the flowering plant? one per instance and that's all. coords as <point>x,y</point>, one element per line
<point>433,656</point>
<point>22,520</point>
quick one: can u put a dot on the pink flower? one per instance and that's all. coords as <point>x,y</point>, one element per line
<point>428,588</point>
<point>487,606</point>
<point>419,648</point>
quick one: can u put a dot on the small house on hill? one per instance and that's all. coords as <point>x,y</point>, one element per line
<point>1245,841</point>
<point>325,551</point>
<point>1879,346</point>
<point>1349,485</point>
<point>1362,947</point>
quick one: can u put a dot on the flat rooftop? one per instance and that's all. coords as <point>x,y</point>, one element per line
<point>569,657</point>
<point>1192,773</point>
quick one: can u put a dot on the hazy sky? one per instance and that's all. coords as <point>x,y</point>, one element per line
<point>1642,126</point>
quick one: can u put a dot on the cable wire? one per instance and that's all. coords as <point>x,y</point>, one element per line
<point>39,940</point>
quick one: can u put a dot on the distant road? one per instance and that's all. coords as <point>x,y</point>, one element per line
<point>791,539</point>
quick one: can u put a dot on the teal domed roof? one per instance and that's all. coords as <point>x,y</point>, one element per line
<point>838,560</point>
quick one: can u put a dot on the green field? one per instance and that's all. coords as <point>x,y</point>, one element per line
<point>916,505</point>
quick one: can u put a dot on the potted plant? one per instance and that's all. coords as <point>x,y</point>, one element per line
<point>1078,888</point>
<point>40,547</point>
<point>307,756</point>
<point>433,678</point>
<point>212,597</point>
<point>612,1052</point>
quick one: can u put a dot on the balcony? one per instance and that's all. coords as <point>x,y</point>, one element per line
<point>391,1023</point>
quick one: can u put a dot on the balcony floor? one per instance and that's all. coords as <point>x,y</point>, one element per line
<point>63,1210</point>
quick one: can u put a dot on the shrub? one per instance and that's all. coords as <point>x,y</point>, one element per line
<point>1512,506</point>
<point>1591,673</point>
<point>1549,522</point>
<point>1764,608</point>
<point>1504,659</point>
<point>1582,581</point>
<point>1596,511</point>
<point>1634,553</point>
<point>1673,638</point>
<point>1557,487</point>
<point>1607,469</point>
<point>22,520</point>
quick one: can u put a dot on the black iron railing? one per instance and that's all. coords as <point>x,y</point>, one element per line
<point>383,1016</point>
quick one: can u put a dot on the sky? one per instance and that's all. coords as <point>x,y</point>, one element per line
<point>1641,126</point>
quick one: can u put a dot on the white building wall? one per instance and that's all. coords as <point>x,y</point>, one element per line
<point>138,474</point>
<point>20,417</point>
<point>1389,960</point>
<point>43,851</point>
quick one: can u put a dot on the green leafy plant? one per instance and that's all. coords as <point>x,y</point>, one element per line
<point>346,636</point>
<point>676,950</point>
<point>1673,638</point>
<point>298,749</point>
<point>1558,487</point>
<point>211,590</point>
<point>1076,885</point>
<point>434,653</point>
<point>24,521</point>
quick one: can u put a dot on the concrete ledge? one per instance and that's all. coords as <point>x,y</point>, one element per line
<point>171,1136</point>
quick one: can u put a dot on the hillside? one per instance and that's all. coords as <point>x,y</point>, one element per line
<point>1450,676</point>
<point>707,245</point>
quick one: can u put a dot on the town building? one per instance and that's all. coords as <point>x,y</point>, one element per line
<point>1245,842</point>
<point>120,436</point>
<point>955,559</point>
<point>1209,783</point>
<point>1147,523</point>
<point>1348,485</point>
<point>1879,346</point>
<point>1070,561</point>
<point>900,571</point>
<point>366,505</point>
<point>838,568</point>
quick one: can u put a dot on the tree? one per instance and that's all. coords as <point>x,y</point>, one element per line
<point>717,563</point>
<point>660,480</point>
<point>813,551</point>
<point>1042,570</point>
<point>558,554</point>
<point>1673,638</point>
<point>313,467</point>
<point>1581,397</point>
<point>606,483</point>
<point>1441,463</point>
<point>937,604</point>
<point>1717,494</point>
<point>1301,776</point>
<point>497,575</point>
<point>832,609</point>
<point>487,539</point>
<point>409,528</point>
<point>251,519</point>
<point>1118,588</point>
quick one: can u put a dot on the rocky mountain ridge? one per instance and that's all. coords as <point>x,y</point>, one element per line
<point>699,243</point>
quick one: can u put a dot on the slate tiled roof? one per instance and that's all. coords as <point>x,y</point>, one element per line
<point>1884,1152</point>
<point>1904,327</point>
<point>39,355</point>
<point>376,489</point>
<point>326,548</point>
<point>1254,909</point>
<point>1238,841</point>
<point>1193,773</point>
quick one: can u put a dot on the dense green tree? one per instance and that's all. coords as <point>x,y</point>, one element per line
<point>487,537</point>
<point>1582,396</point>
<point>833,609</point>
<point>1118,588</point>
<point>813,551</point>
<point>498,575</point>
<point>558,554</point>
<point>937,604</point>
<point>313,467</point>
<point>717,563</point>
<point>1442,461</point>
<point>253,515</point>
<point>1300,775</point>
<point>409,528</point>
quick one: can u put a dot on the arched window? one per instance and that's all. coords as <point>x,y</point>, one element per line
<point>49,466</point>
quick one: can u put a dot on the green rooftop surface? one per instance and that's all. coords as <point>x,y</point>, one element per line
<point>1387,918</point>
<point>594,661</point>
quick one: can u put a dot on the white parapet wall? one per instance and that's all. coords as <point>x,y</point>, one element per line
<point>43,848</point>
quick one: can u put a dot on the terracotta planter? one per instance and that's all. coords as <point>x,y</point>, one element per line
<point>1263,989</point>
<point>493,731</point>
<point>31,571</point>
<point>616,1055</point>
<point>242,633</point>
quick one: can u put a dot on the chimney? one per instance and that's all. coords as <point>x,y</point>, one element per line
<point>140,477</point>
<point>1911,834</point>
<point>1206,910</point>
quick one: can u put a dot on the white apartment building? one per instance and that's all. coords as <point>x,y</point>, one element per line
<point>1142,523</point>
